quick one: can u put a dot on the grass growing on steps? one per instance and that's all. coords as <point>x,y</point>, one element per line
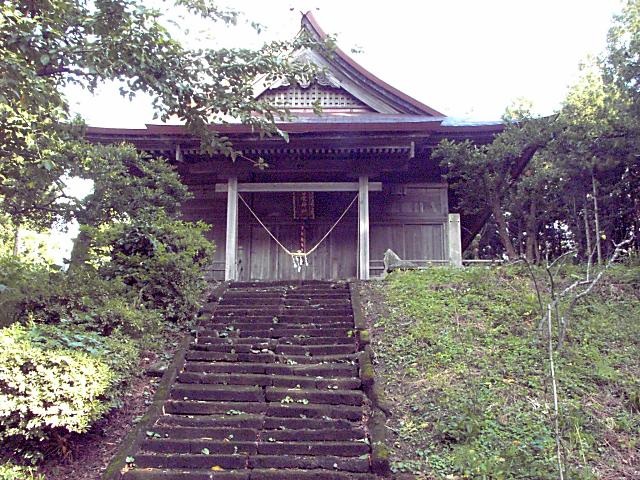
<point>466,371</point>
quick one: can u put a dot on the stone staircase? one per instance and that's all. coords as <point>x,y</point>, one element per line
<point>269,390</point>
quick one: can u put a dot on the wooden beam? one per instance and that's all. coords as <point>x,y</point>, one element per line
<point>363,228</point>
<point>300,187</point>
<point>230,269</point>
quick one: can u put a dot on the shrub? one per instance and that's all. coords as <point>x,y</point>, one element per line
<point>51,379</point>
<point>162,260</point>
<point>8,471</point>
<point>84,299</point>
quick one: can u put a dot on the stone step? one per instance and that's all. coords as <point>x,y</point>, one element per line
<point>212,433</point>
<point>181,445</point>
<point>315,349</point>
<point>260,357</point>
<point>263,342</point>
<point>332,397</point>
<point>255,421</point>
<point>267,325</point>
<point>276,409</point>
<point>214,421</point>
<point>331,370</point>
<point>255,474</point>
<point>289,381</point>
<point>326,349</point>
<point>218,393</point>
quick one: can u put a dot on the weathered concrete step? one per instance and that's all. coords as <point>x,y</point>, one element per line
<point>290,381</point>
<point>338,449</point>
<point>279,331</point>
<point>313,435</point>
<point>181,474</point>
<point>332,397</point>
<point>321,474</point>
<point>214,421</point>
<point>255,422</point>
<point>181,445</point>
<point>304,359</point>
<point>276,409</point>
<point>260,301</point>
<point>264,342</point>
<point>192,461</point>
<point>291,332</point>
<point>223,310</point>
<point>315,349</point>
<point>202,355</point>
<point>256,474</point>
<point>331,463</point>
<point>210,433</point>
<point>266,348</point>
<point>231,320</point>
<point>329,370</point>
<point>266,325</point>
<point>196,446</point>
<point>218,393</point>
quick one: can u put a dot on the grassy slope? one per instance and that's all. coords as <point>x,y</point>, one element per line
<point>466,372</point>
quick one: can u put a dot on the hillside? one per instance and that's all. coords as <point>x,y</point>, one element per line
<point>465,370</point>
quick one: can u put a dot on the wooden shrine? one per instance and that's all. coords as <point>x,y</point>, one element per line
<point>350,184</point>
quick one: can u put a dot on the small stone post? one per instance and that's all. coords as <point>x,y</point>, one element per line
<point>455,240</point>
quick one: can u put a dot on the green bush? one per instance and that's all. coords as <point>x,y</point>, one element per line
<point>9,471</point>
<point>52,379</point>
<point>82,298</point>
<point>162,260</point>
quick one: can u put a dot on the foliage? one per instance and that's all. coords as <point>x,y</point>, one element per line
<point>462,360</point>
<point>47,45</point>
<point>9,471</point>
<point>582,187</point>
<point>53,379</point>
<point>161,261</point>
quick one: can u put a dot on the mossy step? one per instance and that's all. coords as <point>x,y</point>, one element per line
<point>195,407</point>
<point>264,342</point>
<point>345,412</point>
<point>279,332</point>
<point>338,449</point>
<point>210,433</point>
<point>192,461</point>
<point>177,474</point>
<point>256,474</point>
<point>275,409</point>
<point>171,445</point>
<point>218,393</point>
<point>227,326</point>
<point>313,435</point>
<point>308,359</point>
<point>333,463</point>
<point>255,421</point>
<point>328,370</point>
<point>332,397</point>
<point>315,349</point>
<point>290,381</point>
<point>258,357</point>
<point>235,420</point>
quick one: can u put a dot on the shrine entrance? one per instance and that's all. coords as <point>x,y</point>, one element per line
<point>297,230</point>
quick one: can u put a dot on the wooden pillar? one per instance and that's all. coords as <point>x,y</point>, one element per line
<point>230,257</point>
<point>363,228</point>
<point>455,240</point>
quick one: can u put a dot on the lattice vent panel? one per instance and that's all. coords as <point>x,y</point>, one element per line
<point>328,98</point>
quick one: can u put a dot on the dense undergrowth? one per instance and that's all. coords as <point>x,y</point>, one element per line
<point>465,367</point>
<point>71,342</point>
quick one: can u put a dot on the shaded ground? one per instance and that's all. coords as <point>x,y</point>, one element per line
<point>465,370</point>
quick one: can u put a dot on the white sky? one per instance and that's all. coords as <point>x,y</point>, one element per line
<point>466,58</point>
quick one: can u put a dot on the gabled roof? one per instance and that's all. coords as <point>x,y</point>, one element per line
<point>344,74</point>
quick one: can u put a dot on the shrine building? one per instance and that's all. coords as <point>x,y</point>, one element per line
<point>348,185</point>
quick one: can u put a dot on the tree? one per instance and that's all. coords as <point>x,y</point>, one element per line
<point>48,44</point>
<point>483,176</point>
